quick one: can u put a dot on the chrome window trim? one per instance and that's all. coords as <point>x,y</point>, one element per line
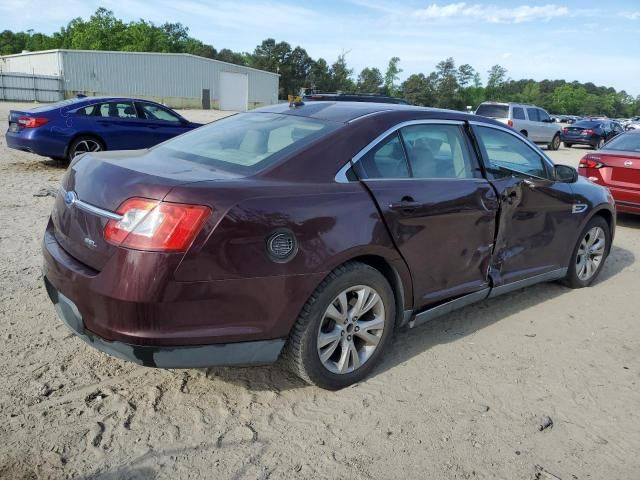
<point>87,207</point>
<point>522,138</point>
<point>341,176</point>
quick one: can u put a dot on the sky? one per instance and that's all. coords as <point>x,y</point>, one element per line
<point>584,40</point>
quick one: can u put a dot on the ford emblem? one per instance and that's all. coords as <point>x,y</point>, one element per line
<point>70,198</point>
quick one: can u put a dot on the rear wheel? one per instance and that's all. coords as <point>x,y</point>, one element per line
<point>589,254</point>
<point>343,329</point>
<point>568,145</point>
<point>555,143</point>
<point>524,132</point>
<point>84,144</point>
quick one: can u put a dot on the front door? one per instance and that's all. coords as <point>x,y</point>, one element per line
<point>438,209</point>
<point>536,213</point>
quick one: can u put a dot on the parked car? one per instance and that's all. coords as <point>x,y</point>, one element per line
<point>594,133</point>
<point>617,166</point>
<point>531,121</point>
<point>89,124</point>
<point>293,232</point>
<point>352,97</point>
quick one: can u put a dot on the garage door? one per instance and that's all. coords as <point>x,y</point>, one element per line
<point>234,91</point>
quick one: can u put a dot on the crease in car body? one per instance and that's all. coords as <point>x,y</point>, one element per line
<point>423,228</point>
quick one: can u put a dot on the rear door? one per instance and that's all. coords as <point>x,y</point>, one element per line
<point>536,224</point>
<point>118,124</point>
<point>163,123</point>
<point>439,210</point>
<point>533,125</point>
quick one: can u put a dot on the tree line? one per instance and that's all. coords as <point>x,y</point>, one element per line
<point>448,86</point>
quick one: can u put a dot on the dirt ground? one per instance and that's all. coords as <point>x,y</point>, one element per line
<point>458,398</point>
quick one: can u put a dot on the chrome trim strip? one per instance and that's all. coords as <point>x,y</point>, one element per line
<point>87,207</point>
<point>341,175</point>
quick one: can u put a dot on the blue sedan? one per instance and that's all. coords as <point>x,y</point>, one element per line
<point>88,124</point>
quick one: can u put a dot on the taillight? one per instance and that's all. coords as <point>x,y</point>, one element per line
<point>588,131</point>
<point>565,130</point>
<point>590,161</point>
<point>32,122</point>
<point>510,122</point>
<point>156,226</point>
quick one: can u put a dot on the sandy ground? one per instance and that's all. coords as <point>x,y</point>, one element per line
<point>461,397</point>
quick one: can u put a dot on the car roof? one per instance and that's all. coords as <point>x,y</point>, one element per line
<point>344,112</point>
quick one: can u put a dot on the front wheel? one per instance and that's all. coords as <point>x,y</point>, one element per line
<point>555,143</point>
<point>343,328</point>
<point>589,254</point>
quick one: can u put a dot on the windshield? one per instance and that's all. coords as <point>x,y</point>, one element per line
<point>629,142</point>
<point>493,111</point>
<point>247,142</point>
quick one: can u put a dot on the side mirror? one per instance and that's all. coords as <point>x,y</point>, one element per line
<point>565,174</point>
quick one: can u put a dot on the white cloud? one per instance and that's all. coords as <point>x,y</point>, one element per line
<point>492,13</point>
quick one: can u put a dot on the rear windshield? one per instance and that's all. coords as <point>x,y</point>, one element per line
<point>493,111</point>
<point>629,142</point>
<point>247,142</point>
<point>587,124</point>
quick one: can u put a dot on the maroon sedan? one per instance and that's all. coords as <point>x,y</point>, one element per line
<point>311,233</point>
<point>617,166</point>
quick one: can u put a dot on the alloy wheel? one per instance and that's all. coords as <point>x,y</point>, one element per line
<point>86,146</point>
<point>590,253</point>
<point>351,329</point>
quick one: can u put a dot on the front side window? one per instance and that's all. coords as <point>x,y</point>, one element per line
<point>386,160</point>
<point>155,112</point>
<point>117,110</point>
<point>247,142</point>
<point>533,114</point>
<point>438,151</point>
<point>508,155</point>
<point>543,116</point>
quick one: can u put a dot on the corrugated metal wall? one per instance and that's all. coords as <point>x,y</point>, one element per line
<point>21,87</point>
<point>174,79</point>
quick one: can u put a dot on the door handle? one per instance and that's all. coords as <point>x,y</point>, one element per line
<point>407,204</point>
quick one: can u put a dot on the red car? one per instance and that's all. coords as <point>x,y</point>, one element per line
<point>617,167</point>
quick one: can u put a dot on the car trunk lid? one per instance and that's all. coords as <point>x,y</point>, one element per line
<point>95,186</point>
<point>625,169</point>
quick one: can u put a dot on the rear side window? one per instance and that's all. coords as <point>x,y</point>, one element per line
<point>532,113</point>
<point>117,110</point>
<point>518,113</point>
<point>493,111</point>
<point>247,142</point>
<point>386,160</point>
<point>507,154</point>
<point>438,151</point>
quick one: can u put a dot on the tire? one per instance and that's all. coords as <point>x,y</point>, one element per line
<point>555,142</point>
<point>573,278</point>
<point>568,145</point>
<point>302,354</point>
<point>599,145</point>
<point>83,144</point>
<point>524,132</point>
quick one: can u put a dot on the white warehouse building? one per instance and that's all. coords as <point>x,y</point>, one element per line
<point>178,80</point>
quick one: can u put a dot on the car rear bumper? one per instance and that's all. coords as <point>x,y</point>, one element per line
<point>627,200</point>
<point>128,310</point>
<point>579,140</point>
<point>191,356</point>
<point>37,141</point>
